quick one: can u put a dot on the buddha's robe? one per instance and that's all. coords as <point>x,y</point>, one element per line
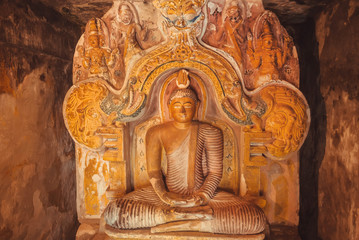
<point>188,174</point>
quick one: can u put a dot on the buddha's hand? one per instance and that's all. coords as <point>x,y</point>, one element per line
<point>198,199</point>
<point>173,199</point>
<point>201,199</point>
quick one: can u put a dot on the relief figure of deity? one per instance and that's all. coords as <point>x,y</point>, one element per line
<point>127,33</point>
<point>266,56</point>
<point>227,34</point>
<point>97,58</point>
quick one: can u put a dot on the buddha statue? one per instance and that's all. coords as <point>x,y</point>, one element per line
<point>185,195</point>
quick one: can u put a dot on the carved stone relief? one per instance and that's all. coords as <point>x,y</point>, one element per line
<point>241,63</point>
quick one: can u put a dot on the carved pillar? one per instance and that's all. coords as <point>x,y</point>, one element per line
<point>253,144</point>
<point>115,139</point>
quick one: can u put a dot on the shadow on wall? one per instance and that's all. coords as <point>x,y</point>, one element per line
<point>313,149</point>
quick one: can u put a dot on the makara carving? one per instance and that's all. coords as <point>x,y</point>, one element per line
<point>243,67</point>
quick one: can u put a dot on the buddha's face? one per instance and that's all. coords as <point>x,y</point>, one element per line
<point>183,109</point>
<point>125,14</point>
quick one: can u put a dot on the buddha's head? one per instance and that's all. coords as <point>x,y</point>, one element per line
<point>125,14</point>
<point>183,105</point>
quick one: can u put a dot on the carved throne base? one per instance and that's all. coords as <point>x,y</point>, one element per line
<point>146,234</point>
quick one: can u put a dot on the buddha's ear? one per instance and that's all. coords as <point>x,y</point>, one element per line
<point>197,108</point>
<point>169,110</point>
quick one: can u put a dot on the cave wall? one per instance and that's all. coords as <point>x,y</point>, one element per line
<point>37,162</point>
<point>337,31</point>
<point>312,151</point>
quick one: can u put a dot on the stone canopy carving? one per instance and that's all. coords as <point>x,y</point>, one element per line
<point>243,67</point>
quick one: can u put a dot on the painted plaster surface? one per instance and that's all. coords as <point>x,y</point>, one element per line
<point>338,35</point>
<point>243,64</point>
<point>37,162</point>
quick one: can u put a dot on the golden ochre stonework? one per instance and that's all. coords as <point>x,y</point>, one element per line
<point>286,118</point>
<point>83,115</point>
<point>243,67</point>
<point>230,176</point>
<point>180,14</point>
<point>172,56</point>
<point>178,7</point>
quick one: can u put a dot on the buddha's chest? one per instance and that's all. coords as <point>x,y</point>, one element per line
<point>172,140</point>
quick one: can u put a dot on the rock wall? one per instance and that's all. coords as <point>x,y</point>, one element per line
<point>313,149</point>
<point>337,31</point>
<point>37,163</point>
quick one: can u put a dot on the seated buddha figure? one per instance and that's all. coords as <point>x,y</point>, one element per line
<point>184,197</point>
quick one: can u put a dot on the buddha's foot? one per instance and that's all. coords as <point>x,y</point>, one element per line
<point>183,226</point>
<point>196,213</point>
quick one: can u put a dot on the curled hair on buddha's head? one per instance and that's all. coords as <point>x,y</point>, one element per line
<point>182,93</point>
<point>183,82</point>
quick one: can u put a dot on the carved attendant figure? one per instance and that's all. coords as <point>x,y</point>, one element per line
<point>97,58</point>
<point>184,197</point>
<point>228,36</point>
<point>266,56</point>
<point>130,35</point>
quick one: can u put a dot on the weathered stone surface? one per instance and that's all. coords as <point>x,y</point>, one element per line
<point>146,234</point>
<point>86,231</point>
<point>338,36</point>
<point>37,165</point>
<point>82,11</point>
<point>312,151</point>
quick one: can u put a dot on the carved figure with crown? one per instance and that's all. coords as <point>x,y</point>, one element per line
<point>97,58</point>
<point>267,57</point>
<point>192,130</point>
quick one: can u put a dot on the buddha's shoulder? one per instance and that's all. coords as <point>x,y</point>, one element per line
<point>158,128</point>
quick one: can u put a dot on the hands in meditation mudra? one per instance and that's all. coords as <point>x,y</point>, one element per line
<point>186,198</point>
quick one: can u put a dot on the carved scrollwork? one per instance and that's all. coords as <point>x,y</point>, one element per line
<point>287,118</point>
<point>82,113</point>
<point>180,14</point>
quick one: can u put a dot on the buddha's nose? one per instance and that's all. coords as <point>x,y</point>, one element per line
<point>183,110</point>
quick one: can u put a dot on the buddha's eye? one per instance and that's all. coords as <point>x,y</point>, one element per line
<point>177,105</point>
<point>188,105</point>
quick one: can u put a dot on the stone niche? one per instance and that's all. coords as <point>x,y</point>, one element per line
<point>243,66</point>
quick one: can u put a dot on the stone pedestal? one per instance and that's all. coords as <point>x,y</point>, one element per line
<point>146,234</point>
